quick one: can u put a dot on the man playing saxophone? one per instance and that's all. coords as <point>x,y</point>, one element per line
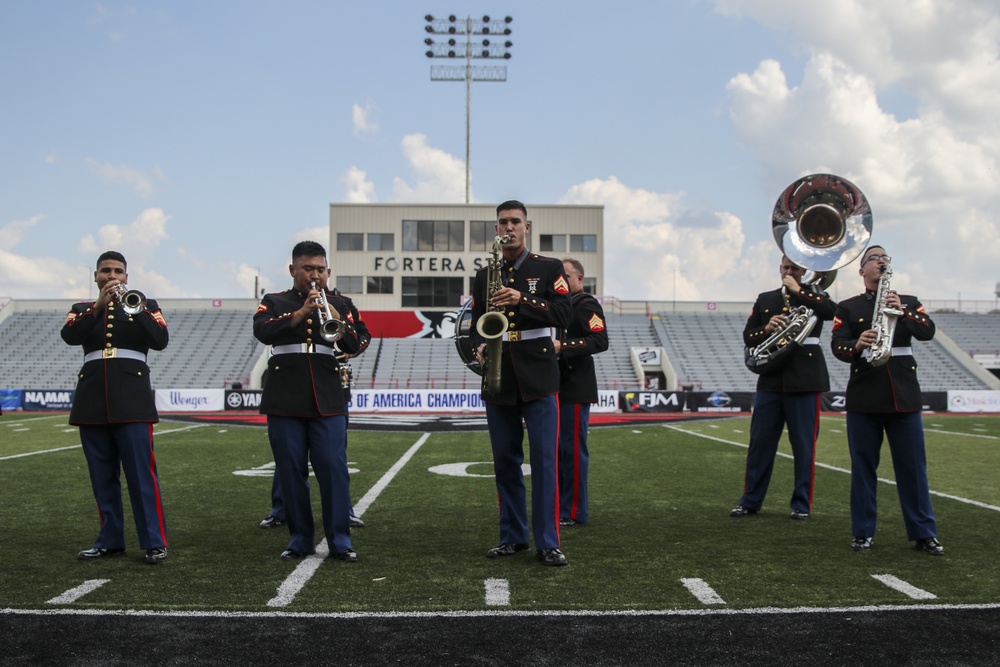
<point>534,297</point>
<point>788,394</point>
<point>885,399</point>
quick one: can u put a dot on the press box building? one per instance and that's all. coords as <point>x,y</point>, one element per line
<point>424,257</point>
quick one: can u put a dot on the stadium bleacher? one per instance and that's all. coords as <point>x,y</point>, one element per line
<point>208,348</point>
<point>213,347</point>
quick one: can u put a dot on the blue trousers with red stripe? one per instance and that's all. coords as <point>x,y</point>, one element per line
<point>905,431</point>
<point>772,411</point>
<point>113,448</point>
<point>574,461</point>
<point>541,417</point>
<point>322,441</point>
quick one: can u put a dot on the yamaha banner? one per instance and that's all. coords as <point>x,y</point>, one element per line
<point>243,399</point>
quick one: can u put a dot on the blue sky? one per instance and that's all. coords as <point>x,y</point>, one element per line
<point>204,138</point>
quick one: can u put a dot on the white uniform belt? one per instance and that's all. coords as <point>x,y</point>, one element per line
<point>902,351</point>
<point>515,336</point>
<point>811,340</point>
<point>114,353</point>
<point>303,348</point>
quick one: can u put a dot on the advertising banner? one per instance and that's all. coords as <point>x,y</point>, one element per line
<point>243,399</point>
<point>10,400</point>
<point>607,401</point>
<point>417,400</point>
<point>720,401</point>
<point>973,401</point>
<point>190,400</point>
<point>33,400</point>
<point>933,401</point>
<point>651,401</point>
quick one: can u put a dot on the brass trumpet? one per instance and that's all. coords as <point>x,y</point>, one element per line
<point>330,329</point>
<point>131,300</point>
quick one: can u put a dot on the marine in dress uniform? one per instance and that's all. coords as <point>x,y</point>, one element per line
<point>276,516</point>
<point>789,395</point>
<point>534,298</point>
<point>115,411</point>
<point>304,402</point>
<point>885,400</point>
<point>585,336</point>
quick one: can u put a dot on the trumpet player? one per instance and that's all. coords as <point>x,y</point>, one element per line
<point>534,297</point>
<point>885,400</point>
<point>304,400</point>
<point>115,411</point>
<point>788,395</point>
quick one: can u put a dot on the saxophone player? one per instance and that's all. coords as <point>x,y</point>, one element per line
<point>885,399</point>
<point>786,396</point>
<point>534,297</point>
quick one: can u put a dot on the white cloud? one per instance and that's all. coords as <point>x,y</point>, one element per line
<point>138,242</point>
<point>440,177</point>
<point>141,183</point>
<point>657,250</point>
<point>12,233</point>
<point>358,189</point>
<point>933,178</point>
<point>362,118</point>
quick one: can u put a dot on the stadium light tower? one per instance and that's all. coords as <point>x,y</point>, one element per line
<point>450,45</point>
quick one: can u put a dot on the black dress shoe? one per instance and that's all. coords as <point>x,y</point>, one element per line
<point>506,549</point>
<point>739,511</point>
<point>799,514</point>
<point>96,552</point>
<point>861,544</point>
<point>569,523</point>
<point>292,554</point>
<point>551,557</point>
<point>931,546</point>
<point>156,555</point>
<point>348,556</point>
<point>355,522</point>
<point>271,521</point>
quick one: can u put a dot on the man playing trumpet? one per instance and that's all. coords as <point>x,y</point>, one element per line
<point>114,408</point>
<point>304,401</point>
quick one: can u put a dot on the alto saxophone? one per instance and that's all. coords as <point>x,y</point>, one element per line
<point>493,323</point>
<point>883,321</point>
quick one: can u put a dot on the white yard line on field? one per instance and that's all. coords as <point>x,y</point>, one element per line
<point>62,449</point>
<point>967,501</point>
<point>301,575</point>
<point>906,608</point>
<point>74,594</point>
<point>701,590</point>
<point>497,592</point>
<point>903,587</point>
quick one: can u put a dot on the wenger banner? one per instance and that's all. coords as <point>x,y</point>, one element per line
<point>190,400</point>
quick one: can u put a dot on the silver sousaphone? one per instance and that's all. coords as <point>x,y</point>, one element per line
<point>822,223</point>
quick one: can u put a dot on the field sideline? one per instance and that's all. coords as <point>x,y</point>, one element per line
<point>660,539</point>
